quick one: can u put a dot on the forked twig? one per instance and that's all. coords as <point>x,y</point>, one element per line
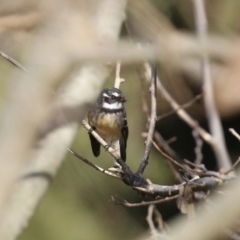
<point>149,219</point>
<point>181,112</point>
<point>94,165</point>
<point>183,106</point>
<point>143,203</point>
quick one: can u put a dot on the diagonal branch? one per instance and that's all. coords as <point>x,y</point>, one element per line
<point>194,124</point>
<point>115,155</point>
<point>13,61</point>
<point>94,165</point>
<point>180,111</point>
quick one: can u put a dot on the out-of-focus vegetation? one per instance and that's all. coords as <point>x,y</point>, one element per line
<point>78,203</point>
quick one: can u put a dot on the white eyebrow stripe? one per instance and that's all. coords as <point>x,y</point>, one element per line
<point>112,106</point>
<point>105,95</point>
<point>116,94</point>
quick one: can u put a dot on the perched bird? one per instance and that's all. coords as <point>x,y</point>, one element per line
<point>108,118</point>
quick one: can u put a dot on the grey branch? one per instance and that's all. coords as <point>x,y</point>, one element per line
<point>219,146</point>
<point>152,123</point>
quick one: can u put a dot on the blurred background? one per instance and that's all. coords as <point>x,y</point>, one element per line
<point>78,203</point>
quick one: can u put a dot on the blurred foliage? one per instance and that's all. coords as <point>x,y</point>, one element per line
<point>77,205</point>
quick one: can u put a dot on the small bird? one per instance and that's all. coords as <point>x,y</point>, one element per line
<point>108,118</point>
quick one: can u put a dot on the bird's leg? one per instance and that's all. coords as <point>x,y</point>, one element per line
<point>107,146</point>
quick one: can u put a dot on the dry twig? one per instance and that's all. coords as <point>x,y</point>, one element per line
<point>117,83</point>
<point>13,61</point>
<point>115,155</point>
<point>94,165</point>
<point>184,106</point>
<point>218,142</point>
<point>234,133</point>
<point>118,79</point>
<point>198,147</point>
<point>153,117</point>
<point>149,219</point>
<point>143,203</point>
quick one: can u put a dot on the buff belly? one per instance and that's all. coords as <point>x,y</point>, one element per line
<point>107,126</point>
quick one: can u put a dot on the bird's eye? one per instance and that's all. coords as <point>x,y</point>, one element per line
<point>113,97</point>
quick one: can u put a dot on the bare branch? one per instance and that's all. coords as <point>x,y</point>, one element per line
<point>234,133</point>
<point>13,61</point>
<point>181,112</point>
<point>161,224</point>
<point>157,136</point>
<point>159,143</point>
<point>169,158</point>
<point>149,219</point>
<point>199,228</point>
<point>118,79</point>
<point>113,153</point>
<point>219,146</point>
<point>198,147</point>
<point>145,158</point>
<point>185,116</point>
<point>142,204</point>
<point>184,106</point>
<point>94,165</point>
<point>233,167</point>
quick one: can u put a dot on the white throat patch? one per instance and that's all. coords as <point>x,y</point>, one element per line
<point>113,106</point>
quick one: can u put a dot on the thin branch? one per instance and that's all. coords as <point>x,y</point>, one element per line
<point>94,165</point>
<point>161,224</point>
<point>13,61</point>
<point>157,136</point>
<point>118,79</point>
<point>195,165</point>
<point>200,229</point>
<point>198,147</point>
<point>145,158</point>
<point>233,167</point>
<point>184,115</point>
<point>112,151</point>
<point>143,203</point>
<point>181,112</point>
<point>219,146</point>
<point>149,219</point>
<point>157,143</point>
<point>184,106</point>
<point>117,83</point>
<point>234,133</point>
<point>168,157</point>
<point>144,96</point>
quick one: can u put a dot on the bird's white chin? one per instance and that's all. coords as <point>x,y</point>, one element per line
<point>113,106</point>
